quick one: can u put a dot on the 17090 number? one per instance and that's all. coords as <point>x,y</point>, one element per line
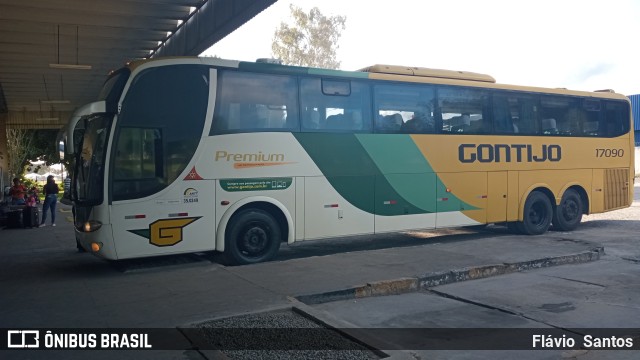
<point>609,153</point>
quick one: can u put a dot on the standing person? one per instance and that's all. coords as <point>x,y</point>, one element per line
<point>18,192</point>
<point>51,191</point>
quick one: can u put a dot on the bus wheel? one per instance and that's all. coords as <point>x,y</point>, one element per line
<point>537,214</point>
<point>569,213</point>
<point>252,236</point>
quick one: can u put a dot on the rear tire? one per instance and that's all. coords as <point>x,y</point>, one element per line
<point>568,214</point>
<point>252,236</point>
<point>537,214</point>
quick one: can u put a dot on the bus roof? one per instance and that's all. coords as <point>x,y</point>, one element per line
<point>426,72</point>
<point>380,72</point>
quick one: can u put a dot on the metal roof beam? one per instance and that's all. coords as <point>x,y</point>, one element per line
<point>210,23</point>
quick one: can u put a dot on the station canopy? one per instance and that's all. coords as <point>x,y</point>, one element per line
<point>57,53</point>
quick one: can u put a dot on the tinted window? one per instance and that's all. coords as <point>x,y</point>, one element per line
<point>344,109</point>
<point>144,154</point>
<point>404,109</point>
<point>112,89</point>
<point>515,113</point>
<point>158,129</point>
<point>558,115</point>
<point>255,102</point>
<point>591,116</point>
<point>569,116</point>
<point>464,111</point>
<point>616,118</point>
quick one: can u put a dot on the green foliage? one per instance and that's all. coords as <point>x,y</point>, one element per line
<point>311,41</point>
<point>18,146</point>
<point>24,145</point>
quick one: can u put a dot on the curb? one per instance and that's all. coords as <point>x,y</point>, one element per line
<point>425,281</point>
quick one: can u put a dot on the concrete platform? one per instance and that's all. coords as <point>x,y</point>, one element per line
<point>46,283</point>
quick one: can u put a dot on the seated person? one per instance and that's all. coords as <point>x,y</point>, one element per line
<point>549,127</point>
<point>461,123</point>
<point>18,192</point>
<point>336,122</point>
<point>391,123</point>
<point>420,123</point>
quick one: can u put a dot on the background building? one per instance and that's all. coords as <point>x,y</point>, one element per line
<point>635,109</point>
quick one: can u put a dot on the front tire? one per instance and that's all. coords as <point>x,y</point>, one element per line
<point>537,214</point>
<point>252,236</point>
<point>569,213</point>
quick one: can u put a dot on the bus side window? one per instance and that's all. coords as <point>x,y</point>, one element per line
<point>406,108</point>
<point>591,113</point>
<point>249,102</point>
<point>515,113</point>
<point>549,126</point>
<point>464,111</point>
<point>336,122</point>
<point>616,118</point>
<point>144,159</point>
<point>564,112</point>
<point>502,121</point>
<point>389,123</point>
<point>311,119</point>
<point>342,105</point>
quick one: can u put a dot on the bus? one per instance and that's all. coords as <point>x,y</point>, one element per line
<point>192,155</point>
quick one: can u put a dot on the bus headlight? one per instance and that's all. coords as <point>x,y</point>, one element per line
<point>92,225</point>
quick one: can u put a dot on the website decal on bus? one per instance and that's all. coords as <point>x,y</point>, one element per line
<point>398,148</point>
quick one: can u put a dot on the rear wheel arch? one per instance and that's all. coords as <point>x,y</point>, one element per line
<point>538,212</point>
<point>584,196</point>
<point>567,215</point>
<point>537,187</point>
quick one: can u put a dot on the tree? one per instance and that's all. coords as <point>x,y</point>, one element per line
<point>19,147</point>
<point>24,145</point>
<point>311,41</point>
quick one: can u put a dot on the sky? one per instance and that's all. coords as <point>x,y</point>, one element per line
<point>581,45</point>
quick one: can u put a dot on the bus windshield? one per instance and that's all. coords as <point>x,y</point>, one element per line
<point>112,89</point>
<point>90,160</point>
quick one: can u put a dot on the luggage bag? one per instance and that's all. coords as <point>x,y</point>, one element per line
<point>31,216</point>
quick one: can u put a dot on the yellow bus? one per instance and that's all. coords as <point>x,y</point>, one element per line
<point>193,154</point>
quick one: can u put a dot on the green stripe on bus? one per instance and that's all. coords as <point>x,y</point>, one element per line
<point>404,167</point>
<point>407,171</point>
<point>389,166</point>
<point>351,171</point>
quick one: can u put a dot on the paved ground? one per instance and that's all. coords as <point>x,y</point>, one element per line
<point>47,284</point>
